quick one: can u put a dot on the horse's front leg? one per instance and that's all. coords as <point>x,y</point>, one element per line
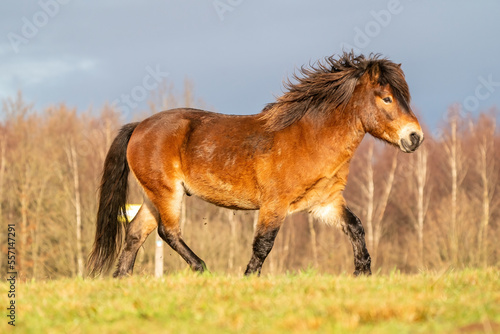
<point>354,229</point>
<point>267,228</point>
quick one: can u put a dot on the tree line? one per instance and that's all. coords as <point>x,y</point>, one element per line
<point>429,210</point>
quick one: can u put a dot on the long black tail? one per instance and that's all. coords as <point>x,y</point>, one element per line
<point>112,201</point>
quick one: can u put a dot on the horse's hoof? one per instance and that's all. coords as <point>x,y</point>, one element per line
<point>363,272</point>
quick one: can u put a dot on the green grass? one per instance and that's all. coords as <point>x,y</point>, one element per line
<point>453,302</point>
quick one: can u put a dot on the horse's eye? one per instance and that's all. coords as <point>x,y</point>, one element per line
<point>387,100</point>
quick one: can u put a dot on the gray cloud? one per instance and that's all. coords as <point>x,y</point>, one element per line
<point>89,53</point>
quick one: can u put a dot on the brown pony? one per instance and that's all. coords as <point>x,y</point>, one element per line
<point>293,156</point>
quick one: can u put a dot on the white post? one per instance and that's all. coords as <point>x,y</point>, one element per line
<point>158,257</point>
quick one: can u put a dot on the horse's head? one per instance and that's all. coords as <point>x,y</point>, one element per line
<point>385,112</point>
<point>373,88</point>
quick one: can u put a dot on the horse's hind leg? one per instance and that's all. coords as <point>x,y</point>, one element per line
<point>169,230</point>
<point>138,230</point>
<point>354,229</point>
<point>173,238</point>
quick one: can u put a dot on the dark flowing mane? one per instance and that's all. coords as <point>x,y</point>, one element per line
<point>329,85</point>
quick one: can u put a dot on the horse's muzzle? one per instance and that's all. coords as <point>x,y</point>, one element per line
<point>412,142</point>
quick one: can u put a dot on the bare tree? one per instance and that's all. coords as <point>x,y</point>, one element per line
<point>375,200</point>
<point>421,175</point>
<point>3,164</point>
<point>73,163</point>
<point>369,191</point>
<point>484,133</point>
<point>18,115</point>
<point>233,239</point>
<point>418,187</point>
<point>314,244</point>
<point>457,170</point>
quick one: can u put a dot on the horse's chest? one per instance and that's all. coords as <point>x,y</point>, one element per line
<point>324,193</point>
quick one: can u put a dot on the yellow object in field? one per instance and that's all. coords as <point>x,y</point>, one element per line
<point>131,211</point>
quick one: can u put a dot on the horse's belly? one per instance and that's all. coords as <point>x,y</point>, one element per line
<point>225,192</point>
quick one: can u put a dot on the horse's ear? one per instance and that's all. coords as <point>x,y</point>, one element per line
<point>375,72</point>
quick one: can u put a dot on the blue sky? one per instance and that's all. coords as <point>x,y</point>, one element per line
<point>238,52</point>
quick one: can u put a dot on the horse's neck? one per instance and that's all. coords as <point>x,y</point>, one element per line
<point>331,143</point>
<point>338,132</point>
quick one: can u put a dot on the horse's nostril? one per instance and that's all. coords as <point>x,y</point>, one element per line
<point>415,138</point>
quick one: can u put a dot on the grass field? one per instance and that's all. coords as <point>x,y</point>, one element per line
<point>452,302</point>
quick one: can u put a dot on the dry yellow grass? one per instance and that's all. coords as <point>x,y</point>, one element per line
<point>454,302</point>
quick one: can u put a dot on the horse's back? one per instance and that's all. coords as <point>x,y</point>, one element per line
<point>210,155</point>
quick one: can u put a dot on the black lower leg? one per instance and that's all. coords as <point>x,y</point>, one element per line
<point>174,240</point>
<point>354,229</point>
<point>262,245</point>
